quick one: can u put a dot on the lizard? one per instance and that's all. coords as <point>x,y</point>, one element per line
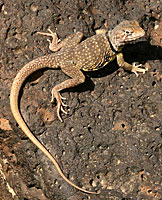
<point>74,56</point>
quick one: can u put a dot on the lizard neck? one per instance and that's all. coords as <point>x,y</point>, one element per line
<point>113,42</point>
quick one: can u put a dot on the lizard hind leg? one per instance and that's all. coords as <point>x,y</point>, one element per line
<point>77,77</point>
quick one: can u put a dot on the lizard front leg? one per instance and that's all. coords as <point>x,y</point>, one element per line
<point>68,42</point>
<point>133,68</point>
<point>77,77</point>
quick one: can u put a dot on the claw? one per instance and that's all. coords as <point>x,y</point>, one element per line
<point>50,30</point>
<point>41,33</point>
<point>49,41</point>
<point>60,104</point>
<point>53,45</point>
<point>52,34</point>
<point>52,99</point>
<point>63,110</point>
<point>58,112</point>
<point>65,105</point>
<point>137,68</point>
<point>62,97</point>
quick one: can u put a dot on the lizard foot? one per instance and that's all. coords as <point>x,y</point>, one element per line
<point>55,40</point>
<point>138,68</point>
<point>56,95</point>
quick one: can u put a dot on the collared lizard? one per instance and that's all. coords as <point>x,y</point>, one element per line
<point>73,57</point>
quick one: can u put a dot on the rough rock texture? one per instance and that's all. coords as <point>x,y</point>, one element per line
<point>111,139</point>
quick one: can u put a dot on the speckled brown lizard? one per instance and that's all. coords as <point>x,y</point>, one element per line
<point>73,56</point>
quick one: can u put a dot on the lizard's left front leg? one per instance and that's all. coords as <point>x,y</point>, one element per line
<point>77,77</point>
<point>133,68</point>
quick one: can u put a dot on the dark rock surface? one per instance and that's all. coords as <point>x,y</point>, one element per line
<point>111,138</point>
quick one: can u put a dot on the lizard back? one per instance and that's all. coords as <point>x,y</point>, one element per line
<point>89,55</point>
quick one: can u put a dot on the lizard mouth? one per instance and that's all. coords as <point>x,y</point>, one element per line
<point>141,34</point>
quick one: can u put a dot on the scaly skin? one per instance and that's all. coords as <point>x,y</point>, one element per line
<point>72,56</point>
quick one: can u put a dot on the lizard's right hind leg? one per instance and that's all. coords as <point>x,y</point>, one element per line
<point>77,77</point>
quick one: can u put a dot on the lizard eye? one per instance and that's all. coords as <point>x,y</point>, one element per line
<point>127,32</point>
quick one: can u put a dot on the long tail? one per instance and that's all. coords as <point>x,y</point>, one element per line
<point>28,69</point>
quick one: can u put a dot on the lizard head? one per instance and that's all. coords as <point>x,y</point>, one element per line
<point>124,33</point>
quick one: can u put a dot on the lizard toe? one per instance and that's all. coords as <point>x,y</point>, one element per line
<point>56,95</point>
<point>62,97</point>
<point>58,112</point>
<point>63,110</point>
<point>138,68</point>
